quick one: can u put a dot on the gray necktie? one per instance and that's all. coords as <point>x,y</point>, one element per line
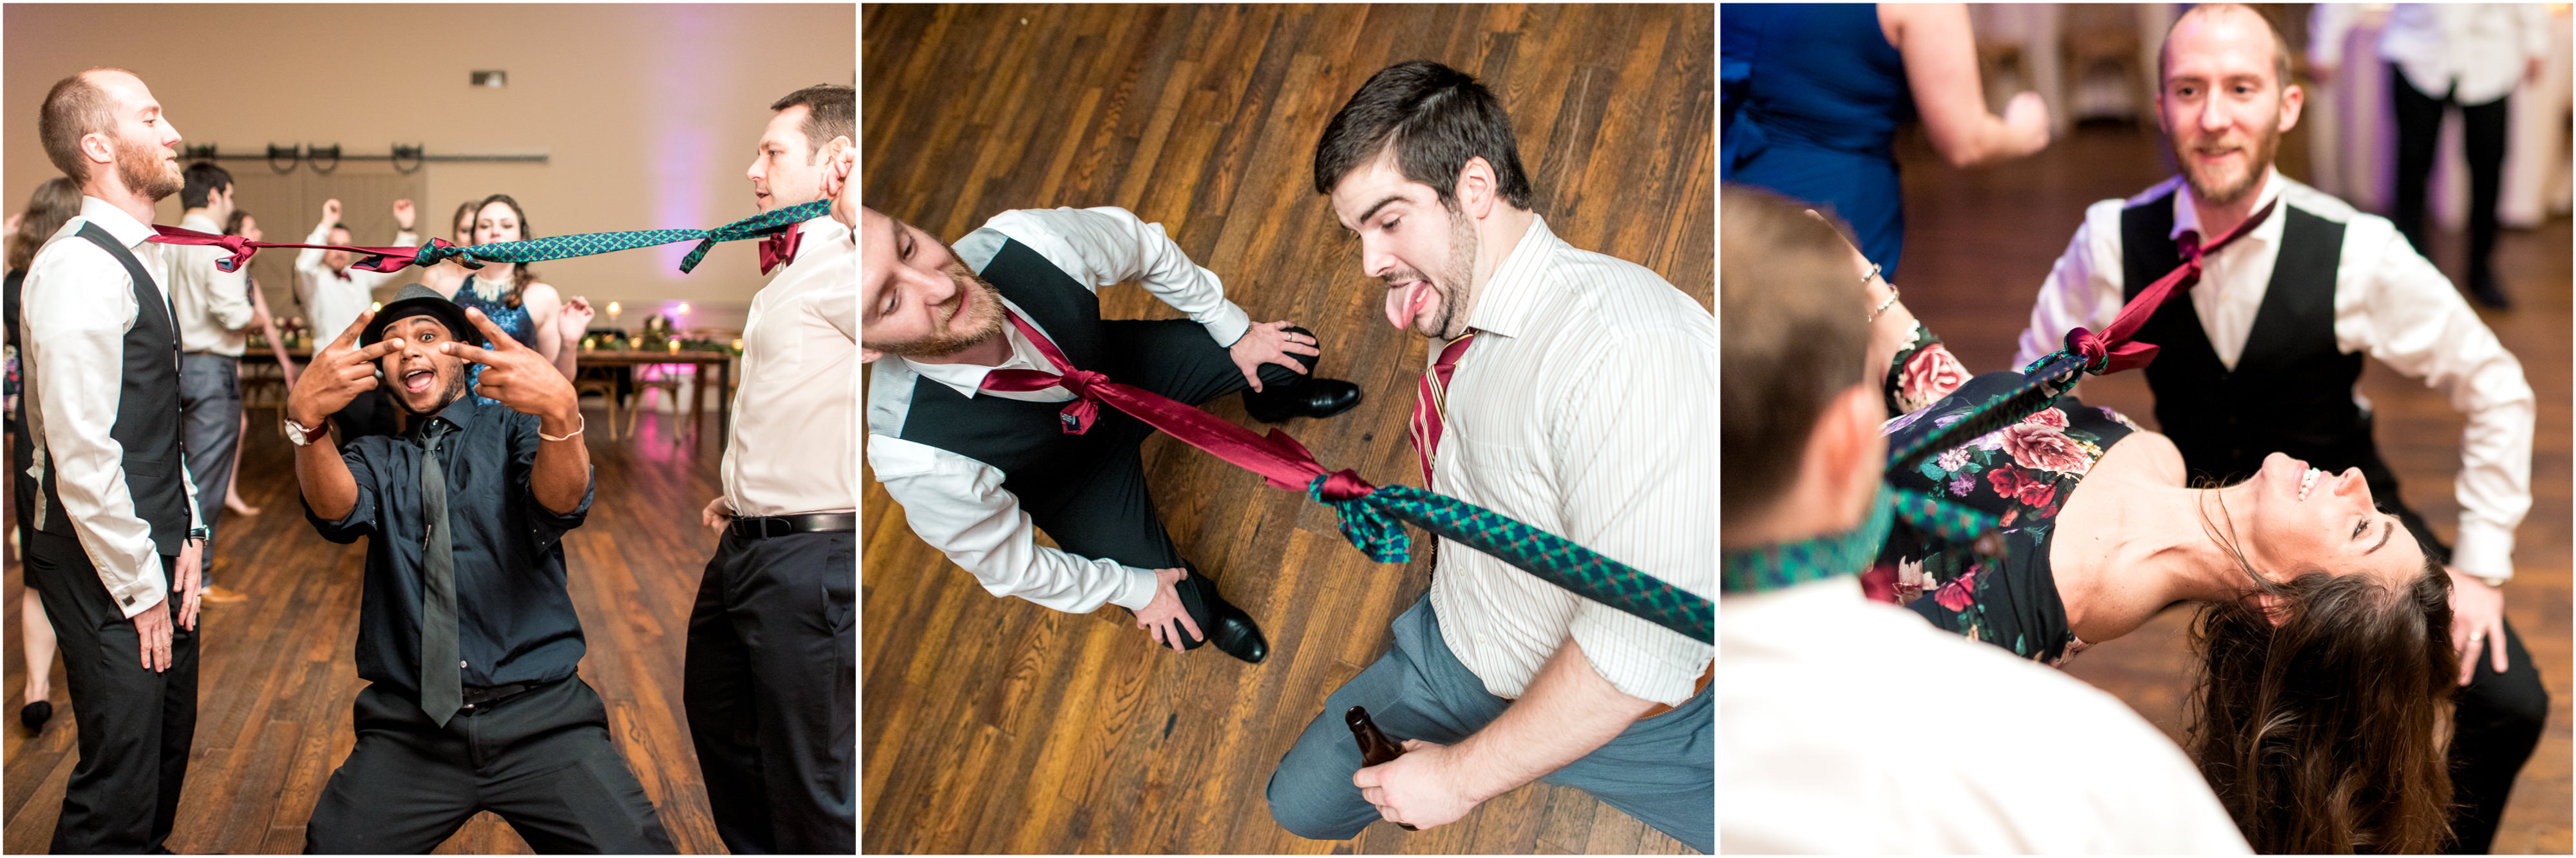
<point>442,689</point>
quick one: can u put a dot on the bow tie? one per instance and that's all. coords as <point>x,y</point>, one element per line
<point>341,273</point>
<point>779,249</point>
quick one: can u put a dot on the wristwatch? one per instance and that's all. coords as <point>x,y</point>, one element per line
<point>200,533</point>
<point>301,436</point>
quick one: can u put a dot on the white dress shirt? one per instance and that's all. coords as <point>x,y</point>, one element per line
<point>1583,408</point>
<point>790,449</point>
<point>1847,726</point>
<point>79,305</point>
<point>333,302</point>
<point>957,504</point>
<point>213,307</point>
<point>2389,302</point>
<point>2483,47</point>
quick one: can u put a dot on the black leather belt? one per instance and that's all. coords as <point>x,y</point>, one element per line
<point>487,695</point>
<point>764,527</point>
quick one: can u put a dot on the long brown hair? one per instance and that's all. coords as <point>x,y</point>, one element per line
<point>53,204</point>
<point>518,290</point>
<point>2322,725</point>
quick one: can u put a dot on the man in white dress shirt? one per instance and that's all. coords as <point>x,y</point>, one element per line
<point>215,316</point>
<point>772,644</point>
<point>115,551</point>
<point>334,294</point>
<point>2263,353</point>
<point>1851,726</point>
<point>1582,408</point>
<point>2443,55</point>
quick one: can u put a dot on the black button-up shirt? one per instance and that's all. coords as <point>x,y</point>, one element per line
<point>515,621</point>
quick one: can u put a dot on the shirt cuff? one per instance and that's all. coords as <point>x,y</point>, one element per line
<point>1137,591</point>
<point>2484,550</point>
<point>139,596</point>
<point>1228,323</point>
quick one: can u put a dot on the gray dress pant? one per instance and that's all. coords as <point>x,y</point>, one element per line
<point>210,413</point>
<point>1662,770</point>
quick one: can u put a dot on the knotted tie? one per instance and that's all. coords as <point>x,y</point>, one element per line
<point>442,689</point>
<point>1431,402</point>
<point>390,259</point>
<point>1370,515</point>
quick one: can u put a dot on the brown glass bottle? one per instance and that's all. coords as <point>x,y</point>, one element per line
<point>1375,748</point>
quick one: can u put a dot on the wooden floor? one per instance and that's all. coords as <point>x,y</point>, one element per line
<point>995,725</point>
<point>277,676</point>
<point>1978,243</point>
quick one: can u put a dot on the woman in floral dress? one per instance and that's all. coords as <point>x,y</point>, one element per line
<point>2322,638</point>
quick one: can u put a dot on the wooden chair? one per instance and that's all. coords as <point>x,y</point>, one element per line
<point>590,382</point>
<point>652,377</point>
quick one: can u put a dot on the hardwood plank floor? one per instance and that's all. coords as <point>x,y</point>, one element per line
<point>1978,244</point>
<point>277,676</point>
<point>995,725</point>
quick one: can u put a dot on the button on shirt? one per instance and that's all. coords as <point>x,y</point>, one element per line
<point>2389,302</point>
<point>213,307</point>
<point>957,504</point>
<point>515,622</point>
<point>789,449</point>
<point>331,303</point>
<point>1582,409</point>
<point>79,303</point>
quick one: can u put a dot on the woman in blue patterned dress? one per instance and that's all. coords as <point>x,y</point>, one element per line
<point>510,294</point>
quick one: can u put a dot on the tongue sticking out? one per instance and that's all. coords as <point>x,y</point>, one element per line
<point>1402,305</point>
<point>418,382</point>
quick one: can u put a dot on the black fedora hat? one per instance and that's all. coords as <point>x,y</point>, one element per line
<point>419,300</point>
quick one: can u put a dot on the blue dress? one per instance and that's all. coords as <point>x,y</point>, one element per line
<point>514,321</point>
<point>1811,96</point>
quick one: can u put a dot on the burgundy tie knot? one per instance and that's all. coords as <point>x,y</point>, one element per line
<point>1344,485</point>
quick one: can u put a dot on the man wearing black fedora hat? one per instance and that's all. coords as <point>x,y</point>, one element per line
<point>466,633</point>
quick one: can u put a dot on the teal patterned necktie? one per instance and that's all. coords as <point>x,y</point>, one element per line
<point>391,259</point>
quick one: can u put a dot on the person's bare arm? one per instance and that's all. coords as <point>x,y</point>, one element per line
<point>1940,54</point>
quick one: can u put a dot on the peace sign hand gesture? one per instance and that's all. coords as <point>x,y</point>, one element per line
<point>337,374</point>
<point>517,376</point>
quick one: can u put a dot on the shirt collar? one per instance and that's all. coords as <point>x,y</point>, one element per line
<point>456,413</point>
<point>118,224</point>
<point>1512,296</point>
<point>2187,216</point>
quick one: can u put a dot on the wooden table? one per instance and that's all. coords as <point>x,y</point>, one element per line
<point>698,360</point>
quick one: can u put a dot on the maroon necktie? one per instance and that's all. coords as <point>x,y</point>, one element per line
<point>779,249</point>
<point>2111,349</point>
<point>1276,457</point>
<point>1431,402</point>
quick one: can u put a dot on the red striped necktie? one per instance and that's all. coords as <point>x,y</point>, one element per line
<point>1431,402</point>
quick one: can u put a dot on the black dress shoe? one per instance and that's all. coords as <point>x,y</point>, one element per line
<point>1225,625</point>
<point>34,715</point>
<point>1312,397</point>
<point>2483,286</point>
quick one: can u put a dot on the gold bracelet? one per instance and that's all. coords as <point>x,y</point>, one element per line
<point>585,424</point>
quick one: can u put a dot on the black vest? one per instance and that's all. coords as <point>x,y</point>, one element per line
<point>147,413</point>
<point>2291,390</point>
<point>1022,439</point>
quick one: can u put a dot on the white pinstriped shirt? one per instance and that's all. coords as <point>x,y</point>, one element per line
<point>1584,409</point>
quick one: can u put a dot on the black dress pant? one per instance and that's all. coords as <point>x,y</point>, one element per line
<point>1095,503</point>
<point>2419,130</point>
<point>2499,716</point>
<point>135,724</point>
<point>773,648</point>
<point>541,760</point>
